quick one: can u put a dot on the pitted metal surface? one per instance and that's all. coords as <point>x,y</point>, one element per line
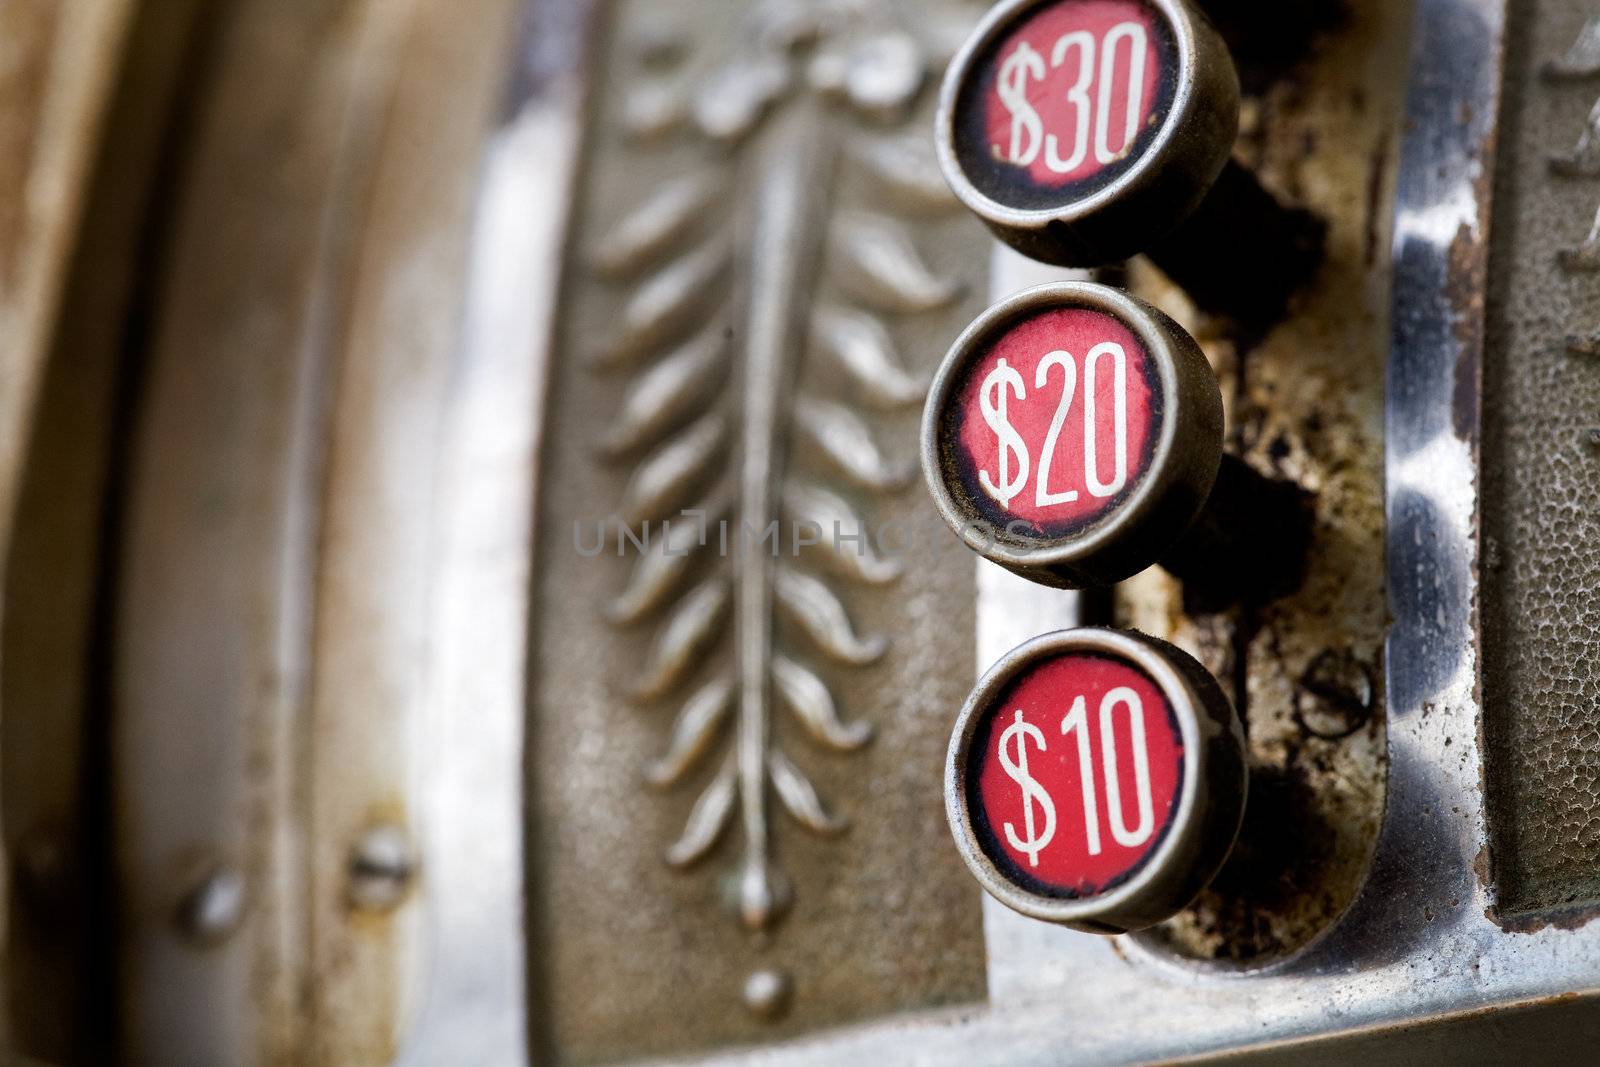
<point>1541,469</point>
<point>1305,404</point>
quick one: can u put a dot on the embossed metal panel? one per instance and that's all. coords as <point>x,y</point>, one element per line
<point>735,735</point>
<point>1541,470</point>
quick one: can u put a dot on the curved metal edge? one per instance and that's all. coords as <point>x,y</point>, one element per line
<point>476,1006</point>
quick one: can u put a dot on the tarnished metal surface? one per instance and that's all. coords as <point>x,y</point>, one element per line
<point>1541,464</point>
<point>1305,404</point>
<point>58,62</point>
<point>52,655</point>
<point>274,603</point>
<point>765,269</point>
<point>471,795</point>
<point>1416,953</point>
<point>324,653</point>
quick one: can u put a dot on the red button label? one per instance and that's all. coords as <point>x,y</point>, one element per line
<point>1075,775</point>
<point>1055,423</point>
<point>1066,101</point>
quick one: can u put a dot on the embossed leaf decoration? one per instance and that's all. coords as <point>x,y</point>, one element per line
<point>906,172</point>
<point>657,226</point>
<point>720,273</point>
<point>661,569</point>
<point>660,398</point>
<point>692,626</point>
<point>800,797</point>
<point>667,304</point>
<point>655,109</point>
<point>708,818</point>
<point>843,437</point>
<point>829,513</point>
<point>735,98</point>
<point>883,75</point>
<point>860,346</point>
<point>694,731</point>
<point>821,615</point>
<point>666,480</point>
<point>880,266</point>
<point>808,697</point>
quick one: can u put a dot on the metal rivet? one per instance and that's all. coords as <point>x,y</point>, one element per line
<point>766,993</point>
<point>213,909</point>
<point>381,867</point>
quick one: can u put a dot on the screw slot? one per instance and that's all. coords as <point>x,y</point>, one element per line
<point>382,864</point>
<point>1335,696</point>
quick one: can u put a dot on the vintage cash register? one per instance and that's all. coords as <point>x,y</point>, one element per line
<point>799,531</point>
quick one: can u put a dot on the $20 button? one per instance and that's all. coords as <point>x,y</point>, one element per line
<point>1072,434</point>
<point>1096,778</point>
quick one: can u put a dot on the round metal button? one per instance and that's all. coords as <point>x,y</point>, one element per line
<point>1096,778</point>
<point>1072,434</point>
<point>1083,130</point>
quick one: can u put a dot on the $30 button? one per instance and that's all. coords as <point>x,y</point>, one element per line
<point>1083,132</point>
<point>1096,778</point>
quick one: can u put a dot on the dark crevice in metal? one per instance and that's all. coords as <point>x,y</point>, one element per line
<point>168,57</point>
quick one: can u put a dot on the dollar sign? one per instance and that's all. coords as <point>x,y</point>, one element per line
<point>1001,380</point>
<point>1031,789</point>
<point>1012,85</point>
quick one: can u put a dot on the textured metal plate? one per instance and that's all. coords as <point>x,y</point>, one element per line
<point>1541,465</point>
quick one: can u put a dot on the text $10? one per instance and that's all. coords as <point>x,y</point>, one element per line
<point>1038,832</point>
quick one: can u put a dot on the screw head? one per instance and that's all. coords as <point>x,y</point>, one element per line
<point>210,912</point>
<point>1335,695</point>
<point>382,866</point>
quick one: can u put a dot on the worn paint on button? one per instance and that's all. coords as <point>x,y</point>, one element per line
<point>1077,777</point>
<point>1022,447</point>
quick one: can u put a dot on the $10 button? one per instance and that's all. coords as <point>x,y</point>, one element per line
<point>1072,434</point>
<point>1096,778</point>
